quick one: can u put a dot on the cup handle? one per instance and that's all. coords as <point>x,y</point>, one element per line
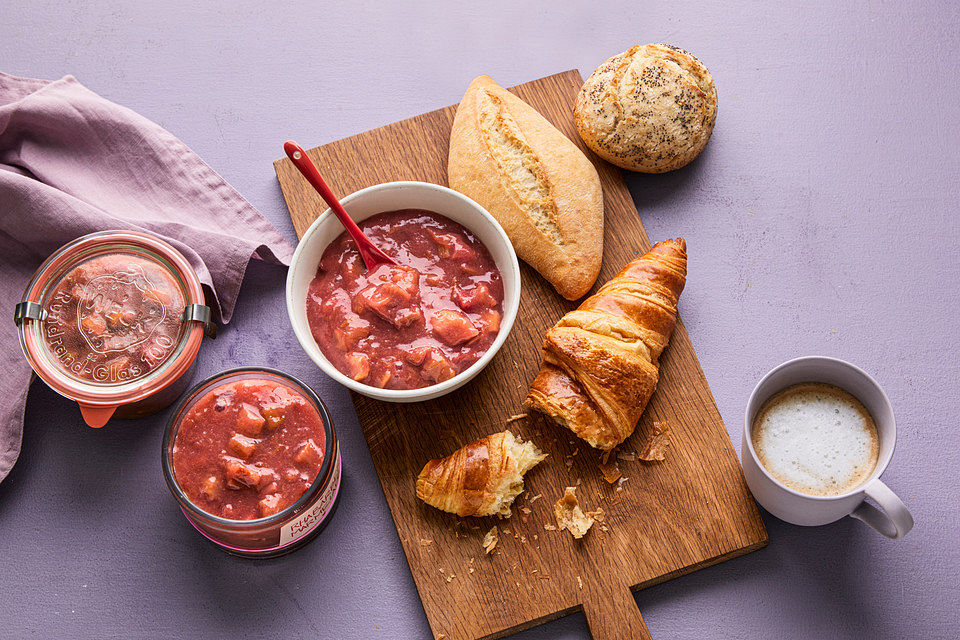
<point>893,521</point>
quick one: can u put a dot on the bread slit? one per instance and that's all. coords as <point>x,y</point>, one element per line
<point>519,167</point>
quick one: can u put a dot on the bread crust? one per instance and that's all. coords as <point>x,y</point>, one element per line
<point>538,184</point>
<point>650,109</point>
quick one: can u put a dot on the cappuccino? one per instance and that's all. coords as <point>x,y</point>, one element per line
<point>817,439</point>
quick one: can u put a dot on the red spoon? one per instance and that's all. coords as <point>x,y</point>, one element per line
<point>372,256</point>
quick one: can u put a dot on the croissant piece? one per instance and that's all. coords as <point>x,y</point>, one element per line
<point>601,361</point>
<point>481,478</point>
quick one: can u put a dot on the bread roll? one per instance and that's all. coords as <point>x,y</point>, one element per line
<point>649,109</point>
<point>481,478</point>
<point>540,187</point>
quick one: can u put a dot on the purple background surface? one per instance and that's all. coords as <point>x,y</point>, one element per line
<point>822,218</point>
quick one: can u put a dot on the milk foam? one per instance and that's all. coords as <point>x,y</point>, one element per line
<point>817,439</point>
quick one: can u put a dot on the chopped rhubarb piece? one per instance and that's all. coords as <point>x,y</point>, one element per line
<point>350,332</point>
<point>70,288</point>
<point>407,278</point>
<point>405,281</point>
<point>378,298</point>
<point>349,263</point>
<point>273,487</point>
<point>416,355</point>
<point>353,266</point>
<point>393,294</point>
<point>240,474</point>
<point>358,366</point>
<point>453,327</point>
<point>210,487</point>
<point>382,378</point>
<point>112,316</point>
<point>402,292</point>
<point>249,420</point>
<point>479,297</point>
<point>273,415</point>
<point>490,321</point>
<point>286,398</point>
<point>280,400</point>
<point>242,445</point>
<point>267,475</point>
<point>473,269</point>
<point>407,316</point>
<point>436,366</point>
<point>269,505</point>
<point>309,454</point>
<point>223,399</point>
<point>452,245</point>
<point>93,324</point>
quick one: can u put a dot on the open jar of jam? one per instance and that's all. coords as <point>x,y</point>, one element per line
<point>252,459</point>
<point>114,321</point>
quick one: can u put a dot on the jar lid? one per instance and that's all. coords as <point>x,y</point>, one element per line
<point>111,318</point>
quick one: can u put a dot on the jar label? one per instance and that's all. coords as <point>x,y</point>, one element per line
<point>312,517</point>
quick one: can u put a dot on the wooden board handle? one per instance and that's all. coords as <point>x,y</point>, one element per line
<point>612,614</point>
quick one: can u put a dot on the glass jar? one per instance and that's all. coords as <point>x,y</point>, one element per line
<point>290,528</point>
<point>114,321</point>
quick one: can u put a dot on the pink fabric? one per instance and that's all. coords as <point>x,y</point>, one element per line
<point>72,163</point>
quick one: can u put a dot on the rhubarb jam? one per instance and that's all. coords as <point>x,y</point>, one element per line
<point>248,449</point>
<point>251,457</point>
<point>413,325</point>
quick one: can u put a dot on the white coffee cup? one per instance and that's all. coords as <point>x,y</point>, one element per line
<point>892,519</point>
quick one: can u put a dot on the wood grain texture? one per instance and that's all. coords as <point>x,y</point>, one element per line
<point>688,512</point>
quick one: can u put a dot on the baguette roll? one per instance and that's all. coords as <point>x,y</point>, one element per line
<point>536,182</point>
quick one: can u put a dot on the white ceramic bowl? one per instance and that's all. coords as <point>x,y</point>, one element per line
<point>392,196</point>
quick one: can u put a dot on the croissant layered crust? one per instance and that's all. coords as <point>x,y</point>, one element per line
<point>481,478</point>
<point>601,361</point>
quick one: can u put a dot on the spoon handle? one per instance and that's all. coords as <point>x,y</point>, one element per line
<point>371,254</point>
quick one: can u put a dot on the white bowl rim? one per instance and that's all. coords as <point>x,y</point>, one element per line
<point>510,306</point>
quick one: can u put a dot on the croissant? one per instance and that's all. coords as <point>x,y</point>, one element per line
<point>481,478</point>
<point>601,361</point>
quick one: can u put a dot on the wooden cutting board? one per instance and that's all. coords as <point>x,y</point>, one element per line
<point>668,519</point>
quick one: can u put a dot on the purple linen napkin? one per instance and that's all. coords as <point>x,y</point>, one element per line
<point>72,163</point>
